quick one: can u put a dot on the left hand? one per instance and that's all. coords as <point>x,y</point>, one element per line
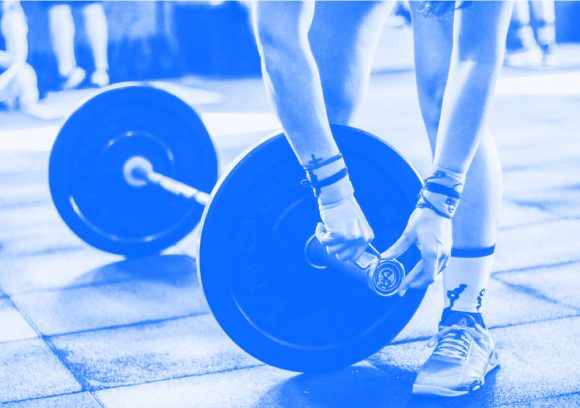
<point>432,234</point>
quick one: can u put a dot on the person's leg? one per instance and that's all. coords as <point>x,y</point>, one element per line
<point>475,223</point>
<point>545,18</point>
<point>343,37</point>
<point>62,34</point>
<point>450,371</point>
<point>97,34</point>
<point>19,80</point>
<point>526,52</point>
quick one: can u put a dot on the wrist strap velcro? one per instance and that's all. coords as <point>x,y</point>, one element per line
<point>425,203</point>
<point>442,192</point>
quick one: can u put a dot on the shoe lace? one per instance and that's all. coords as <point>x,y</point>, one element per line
<point>453,341</point>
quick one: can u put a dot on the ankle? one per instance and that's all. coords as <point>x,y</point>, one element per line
<point>450,315</point>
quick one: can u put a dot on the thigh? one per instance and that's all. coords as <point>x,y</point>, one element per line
<point>343,38</point>
<point>480,31</point>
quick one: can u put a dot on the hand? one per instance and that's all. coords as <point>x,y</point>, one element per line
<point>344,230</point>
<point>432,234</point>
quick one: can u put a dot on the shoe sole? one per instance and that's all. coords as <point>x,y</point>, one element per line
<point>423,389</point>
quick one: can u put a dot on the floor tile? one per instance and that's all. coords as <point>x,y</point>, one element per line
<point>538,245</point>
<point>561,283</point>
<point>29,369</point>
<point>78,400</point>
<point>144,353</point>
<point>173,291</point>
<point>60,270</point>
<point>535,364</point>
<point>13,326</point>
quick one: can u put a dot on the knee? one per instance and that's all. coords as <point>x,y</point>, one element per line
<point>432,89</point>
<point>341,103</point>
<point>279,30</point>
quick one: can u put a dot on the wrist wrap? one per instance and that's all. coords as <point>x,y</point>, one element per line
<point>442,192</point>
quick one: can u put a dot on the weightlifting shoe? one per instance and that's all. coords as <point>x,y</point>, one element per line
<point>74,79</point>
<point>464,352</point>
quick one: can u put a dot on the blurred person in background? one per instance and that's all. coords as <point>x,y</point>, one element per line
<point>62,35</point>
<point>534,34</point>
<point>18,82</point>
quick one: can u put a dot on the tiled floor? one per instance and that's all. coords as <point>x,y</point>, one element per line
<point>81,328</point>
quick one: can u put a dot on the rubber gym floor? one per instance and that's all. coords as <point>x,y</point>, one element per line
<point>81,328</point>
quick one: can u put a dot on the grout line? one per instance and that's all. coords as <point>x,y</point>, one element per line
<point>534,293</point>
<point>547,397</point>
<point>96,284</point>
<point>496,327</point>
<point>179,377</point>
<point>43,397</point>
<point>25,204</point>
<point>97,399</point>
<point>54,250</point>
<point>531,166</point>
<point>128,325</point>
<point>49,337</point>
<point>53,349</point>
<point>537,267</point>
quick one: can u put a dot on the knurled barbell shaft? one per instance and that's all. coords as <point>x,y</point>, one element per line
<point>138,172</point>
<point>177,187</point>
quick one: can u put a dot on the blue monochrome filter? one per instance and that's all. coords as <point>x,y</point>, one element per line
<point>289,203</point>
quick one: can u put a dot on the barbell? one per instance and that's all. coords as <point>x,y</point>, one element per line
<point>129,174</point>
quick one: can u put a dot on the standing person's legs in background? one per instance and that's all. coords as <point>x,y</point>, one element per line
<point>544,13</point>
<point>97,33</point>
<point>18,81</point>
<point>525,51</point>
<point>62,36</point>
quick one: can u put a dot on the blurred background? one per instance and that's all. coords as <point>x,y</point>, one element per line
<point>133,40</point>
<point>84,328</point>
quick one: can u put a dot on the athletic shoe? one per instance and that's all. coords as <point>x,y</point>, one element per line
<point>464,352</point>
<point>100,78</point>
<point>527,57</point>
<point>74,78</point>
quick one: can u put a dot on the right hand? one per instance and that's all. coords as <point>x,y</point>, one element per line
<point>344,230</point>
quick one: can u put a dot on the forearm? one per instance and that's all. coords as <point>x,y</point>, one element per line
<point>294,87</point>
<point>469,91</point>
<point>291,76</point>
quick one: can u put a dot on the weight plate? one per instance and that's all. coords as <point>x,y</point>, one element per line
<point>86,169</point>
<point>256,279</point>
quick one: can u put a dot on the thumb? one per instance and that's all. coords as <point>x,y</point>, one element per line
<point>398,248</point>
<point>320,232</point>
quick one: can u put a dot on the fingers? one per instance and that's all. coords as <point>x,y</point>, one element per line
<point>344,247</point>
<point>411,276</point>
<point>430,269</point>
<point>399,247</point>
<point>421,276</point>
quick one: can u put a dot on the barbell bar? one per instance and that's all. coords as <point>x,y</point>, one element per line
<point>271,286</point>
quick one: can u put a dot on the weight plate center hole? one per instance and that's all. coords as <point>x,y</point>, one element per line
<point>136,171</point>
